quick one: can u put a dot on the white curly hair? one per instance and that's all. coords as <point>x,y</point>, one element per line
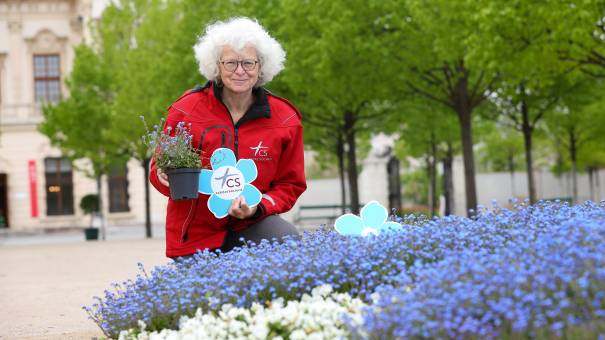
<point>238,33</point>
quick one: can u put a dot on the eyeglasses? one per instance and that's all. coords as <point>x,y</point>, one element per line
<point>247,64</point>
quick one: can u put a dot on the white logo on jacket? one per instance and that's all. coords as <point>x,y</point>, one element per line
<point>260,150</point>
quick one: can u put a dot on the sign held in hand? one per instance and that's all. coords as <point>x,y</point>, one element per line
<point>228,180</point>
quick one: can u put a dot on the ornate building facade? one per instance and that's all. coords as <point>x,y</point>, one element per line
<point>39,188</point>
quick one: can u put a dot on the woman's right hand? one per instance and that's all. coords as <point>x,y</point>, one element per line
<point>163,178</point>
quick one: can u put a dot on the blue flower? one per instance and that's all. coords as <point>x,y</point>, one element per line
<point>373,221</point>
<point>506,273</point>
<point>228,180</point>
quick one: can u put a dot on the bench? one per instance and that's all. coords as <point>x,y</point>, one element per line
<point>318,214</point>
<point>561,199</point>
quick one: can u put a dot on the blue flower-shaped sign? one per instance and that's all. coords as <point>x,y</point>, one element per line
<point>373,220</point>
<point>227,180</point>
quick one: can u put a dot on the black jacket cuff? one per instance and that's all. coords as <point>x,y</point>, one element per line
<point>260,211</point>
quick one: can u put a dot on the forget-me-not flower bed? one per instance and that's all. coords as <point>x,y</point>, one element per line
<point>528,271</point>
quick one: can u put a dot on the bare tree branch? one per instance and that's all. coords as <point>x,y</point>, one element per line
<point>448,75</point>
<point>429,95</point>
<point>320,123</point>
<point>543,110</point>
<point>488,88</point>
<point>476,86</point>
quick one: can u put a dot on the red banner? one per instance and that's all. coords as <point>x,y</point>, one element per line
<point>33,188</point>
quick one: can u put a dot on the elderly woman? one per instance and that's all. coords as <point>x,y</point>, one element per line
<point>233,111</point>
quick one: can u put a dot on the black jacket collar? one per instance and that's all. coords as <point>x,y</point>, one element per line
<point>259,109</point>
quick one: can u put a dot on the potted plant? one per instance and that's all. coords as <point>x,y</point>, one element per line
<point>90,205</point>
<point>173,154</point>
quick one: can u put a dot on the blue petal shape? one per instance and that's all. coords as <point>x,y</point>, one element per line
<point>349,224</point>
<point>390,226</point>
<point>218,206</point>
<point>248,169</point>
<point>222,157</point>
<point>204,185</point>
<point>373,214</point>
<point>252,195</point>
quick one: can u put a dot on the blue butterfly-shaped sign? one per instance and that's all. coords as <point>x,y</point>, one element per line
<point>373,220</point>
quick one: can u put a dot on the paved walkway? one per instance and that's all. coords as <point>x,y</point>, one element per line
<point>46,279</point>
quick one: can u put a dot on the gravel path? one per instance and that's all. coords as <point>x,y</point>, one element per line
<point>44,286</point>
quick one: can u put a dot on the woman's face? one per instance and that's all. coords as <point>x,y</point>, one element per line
<point>239,70</point>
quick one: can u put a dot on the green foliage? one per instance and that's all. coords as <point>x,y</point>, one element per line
<point>518,40</point>
<point>420,124</point>
<point>501,148</point>
<point>331,64</point>
<point>535,48</point>
<point>374,59</point>
<point>416,186</point>
<point>79,125</point>
<point>575,127</point>
<point>157,63</point>
<point>90,204</point>
<point>578,31</point>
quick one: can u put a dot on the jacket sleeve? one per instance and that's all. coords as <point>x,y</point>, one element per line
<point>153,179</point>
<point>289,182</point>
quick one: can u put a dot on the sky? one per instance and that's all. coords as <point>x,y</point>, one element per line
<point>98,6</point>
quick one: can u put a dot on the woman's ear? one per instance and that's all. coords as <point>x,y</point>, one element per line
<point>259,78</point>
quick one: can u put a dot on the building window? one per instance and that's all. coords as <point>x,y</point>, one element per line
<point>118,189</point>
<point>59,186</point>
<point>47,78</point>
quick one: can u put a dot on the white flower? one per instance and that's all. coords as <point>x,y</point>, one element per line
<point>259,329</point>
<point>316,316</point>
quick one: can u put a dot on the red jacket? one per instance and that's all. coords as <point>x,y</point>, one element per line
<point>270,133</point>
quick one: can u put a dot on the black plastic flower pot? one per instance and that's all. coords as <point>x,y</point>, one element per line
<point>91,233</point>
<point>184,183</point>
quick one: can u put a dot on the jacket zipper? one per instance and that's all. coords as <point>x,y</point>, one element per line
<point>235,141</point>
<point>185,227</point>
<point>235,151</point>
<point>235,127</point>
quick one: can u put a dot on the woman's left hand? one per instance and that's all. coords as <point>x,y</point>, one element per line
<point>240,209</point>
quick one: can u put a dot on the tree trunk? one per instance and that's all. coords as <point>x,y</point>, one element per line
<point>464,117</point>
<point>448,182</point>
<point>574,166</point>
<point>394,186</point>
<point>341,172</point>
<point>464,107</point>
<point>433,176</point>
<point>145,163</point>
<point>101,215</point>
<point>350,119</point>
<point>527,131</point>
<point>591,182</point>
<point>429,189</point>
